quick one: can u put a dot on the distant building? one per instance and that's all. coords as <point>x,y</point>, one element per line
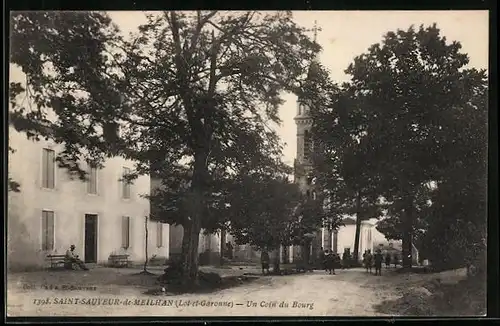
<point>100,217</point>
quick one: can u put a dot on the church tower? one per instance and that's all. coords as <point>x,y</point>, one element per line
<point>303,165</point>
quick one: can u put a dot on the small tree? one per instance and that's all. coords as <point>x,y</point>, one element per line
<point>146,261</point>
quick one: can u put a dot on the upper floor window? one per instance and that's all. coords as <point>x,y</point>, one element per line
<point>48,168</point>
<point>92,180</point>
<point>126,185</point>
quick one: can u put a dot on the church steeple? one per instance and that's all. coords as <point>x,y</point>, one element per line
<point>303,110</point>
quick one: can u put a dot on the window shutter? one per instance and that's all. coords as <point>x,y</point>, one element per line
<point>51,168</point>
<point>125,232</point>
<point>50,230</point>
<point>92,182</point>
<point>47,230</point>
<point>44,173</point>
<point>159,234</point>
<point>44,229</point>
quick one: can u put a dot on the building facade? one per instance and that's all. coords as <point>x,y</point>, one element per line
<point>101,216</point>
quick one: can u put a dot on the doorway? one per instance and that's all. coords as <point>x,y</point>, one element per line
<point>90,242</point>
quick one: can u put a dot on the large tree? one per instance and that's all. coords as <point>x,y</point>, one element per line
<point>342,163</point>
<point>410,88</point>
<point>195,92</point>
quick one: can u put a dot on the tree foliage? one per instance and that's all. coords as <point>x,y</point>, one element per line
<point>416,112</point>
<point>262,211</point>
<point>191,98</point>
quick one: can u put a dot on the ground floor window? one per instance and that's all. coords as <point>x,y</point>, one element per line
<point>48,230</point>
<point>159,234</point>
<point>125,232</point>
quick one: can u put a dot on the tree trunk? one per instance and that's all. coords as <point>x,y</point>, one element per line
<point>190,241</point>
<point>147,235</point>
<point>407,235</point>
<point>276,265</point>
<point>222,244</point>
<point>358,227</point>
<point>192,227</point>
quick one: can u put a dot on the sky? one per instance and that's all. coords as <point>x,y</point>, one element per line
<point>347,34</point>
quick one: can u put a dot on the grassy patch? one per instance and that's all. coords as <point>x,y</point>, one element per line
<point>466,297</point>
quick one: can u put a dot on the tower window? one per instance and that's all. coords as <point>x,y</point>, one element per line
<point>307,145</point>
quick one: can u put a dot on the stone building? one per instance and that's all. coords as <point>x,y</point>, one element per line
<point>101,216</point>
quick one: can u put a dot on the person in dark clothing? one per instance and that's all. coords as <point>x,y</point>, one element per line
<point>345,259</point>
<point>338,261</point>
<point>388,260</point>
<point>321,258</point>
<point>71,259</point>
<point>395,260</point>
<point>325,260</point>
<point>378,258</point>
<point>264,260</point>
<point>368,261</point>
<point>330,263</point>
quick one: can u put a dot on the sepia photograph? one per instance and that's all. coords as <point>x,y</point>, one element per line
<point>247,163</point>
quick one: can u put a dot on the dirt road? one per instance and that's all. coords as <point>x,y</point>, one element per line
<point>349,293</point>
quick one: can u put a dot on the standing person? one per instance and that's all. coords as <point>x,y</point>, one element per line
<point>338,261</point>
<point>325,260</point>
<point>388,260</point>
<point>72,258</point>
<point>330,263</point>
<point>345,260</point>
<point>321,258</point>
<point>264,260</point>
<point>369,261</point>
<point>395,260</point>
<point>378,262</point>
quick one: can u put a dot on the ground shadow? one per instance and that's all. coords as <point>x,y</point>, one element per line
<point>203,287</point>
<point>465,298</point>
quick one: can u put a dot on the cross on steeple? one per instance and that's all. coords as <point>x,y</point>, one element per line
<point>315,29</point>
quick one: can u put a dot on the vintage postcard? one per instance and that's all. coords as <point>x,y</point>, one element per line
<point>231,163</point>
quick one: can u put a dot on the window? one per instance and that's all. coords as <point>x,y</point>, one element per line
<point>92,181</point>
<point>369,235</point>
<point>48,168</point>
<point>159,234</point>
<point>125,184</point>
<point>307,145</point>
<point>47,230</point>
<point>126,232</point>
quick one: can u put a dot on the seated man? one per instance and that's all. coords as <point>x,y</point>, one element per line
<point>72,258</point>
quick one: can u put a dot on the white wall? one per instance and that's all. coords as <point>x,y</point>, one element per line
<point>378,237</point>
<point>70,202</point>
<point>346,237</point>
